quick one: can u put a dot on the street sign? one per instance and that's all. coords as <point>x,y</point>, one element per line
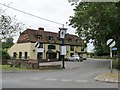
<point>37,47</point>
<point>63,50</point>
<point>111,43</point>
<point>37,44</point>
<point>114,48</point>
<point>40,50</point>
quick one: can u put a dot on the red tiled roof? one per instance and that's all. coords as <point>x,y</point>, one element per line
<point>29,36</point>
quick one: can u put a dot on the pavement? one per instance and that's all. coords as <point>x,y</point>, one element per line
<point>109,77</point>
<point>112,77</point>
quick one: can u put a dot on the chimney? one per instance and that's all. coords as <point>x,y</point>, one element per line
<point>41,29</point>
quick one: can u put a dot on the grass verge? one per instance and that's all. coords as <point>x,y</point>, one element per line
<point>7,67</point>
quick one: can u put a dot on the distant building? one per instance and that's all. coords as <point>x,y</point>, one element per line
<point>49,45</point>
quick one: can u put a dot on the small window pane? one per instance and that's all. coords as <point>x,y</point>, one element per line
<point>14,55</point>
<point>72,48</point>
<point>51,47</point>
<point>20,55</point>
<point>26,55</point>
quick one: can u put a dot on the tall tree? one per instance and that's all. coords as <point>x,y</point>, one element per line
<point>97,21</point>
<point>9,27</point>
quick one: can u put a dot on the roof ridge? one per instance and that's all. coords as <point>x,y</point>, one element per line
<point>50,32</point>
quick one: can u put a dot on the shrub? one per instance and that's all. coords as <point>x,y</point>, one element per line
<point>116,63</point>
<point>5,55</point>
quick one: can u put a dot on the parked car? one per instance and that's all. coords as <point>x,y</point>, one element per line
<point>75,58</point>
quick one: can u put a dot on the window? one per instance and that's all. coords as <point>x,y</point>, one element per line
<point>50,37</point>
<point>39,55</point>
<point>26,55</point>
<point>77,40</point>
<point>14,55</point>
<point>41,45</point>
<point>20,55</point>
<point>38,36</point>
<point>51,47</point>
<point>72,48</point>
<point>82,49</point>
<point>69,39</point>
<point>71,54</point>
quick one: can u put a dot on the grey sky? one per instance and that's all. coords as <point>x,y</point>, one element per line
<point>55,10</point>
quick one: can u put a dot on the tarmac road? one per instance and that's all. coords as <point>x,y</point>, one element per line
<point>75,75</point>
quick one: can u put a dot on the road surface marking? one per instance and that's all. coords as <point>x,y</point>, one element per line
<point>85,81</point>
<point>66,80</point>
<point>52,79</point>
<point>63,80</point>
<point>36,78</point>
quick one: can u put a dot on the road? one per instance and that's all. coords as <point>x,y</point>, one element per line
<point>76,75</point>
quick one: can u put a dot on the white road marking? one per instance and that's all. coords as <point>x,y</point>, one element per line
<point>63,80</point>
<point>66,80</point>
<point>85,81</point>
<point>36,78</point>
<point>52,79</point>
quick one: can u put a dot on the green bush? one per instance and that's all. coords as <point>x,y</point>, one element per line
<point>5,55</point>
<point>119,63</point>
<point>116,63</point>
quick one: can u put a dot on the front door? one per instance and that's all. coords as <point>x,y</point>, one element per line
<point>39,56</point>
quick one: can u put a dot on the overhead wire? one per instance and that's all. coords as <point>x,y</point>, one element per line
<point>32,14</point>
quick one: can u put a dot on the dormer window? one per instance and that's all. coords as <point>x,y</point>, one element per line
<point>69,39</point>
<point>50,37</point>
<point>82,49</point>
<point>58,37</point>
<point>38,36</point>
<point>76,40</point>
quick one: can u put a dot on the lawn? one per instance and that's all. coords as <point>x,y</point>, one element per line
<point>7,67</point>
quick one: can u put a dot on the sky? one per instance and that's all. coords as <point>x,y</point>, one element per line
<point>54,10</point>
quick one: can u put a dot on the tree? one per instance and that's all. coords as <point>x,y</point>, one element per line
<point>97,21</point>
<point>9,27</point>
<point>6,45</point>
<point>5,55</point>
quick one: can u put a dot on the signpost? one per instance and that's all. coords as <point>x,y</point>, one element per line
<point>111,43</point>
<point>63,47</point>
